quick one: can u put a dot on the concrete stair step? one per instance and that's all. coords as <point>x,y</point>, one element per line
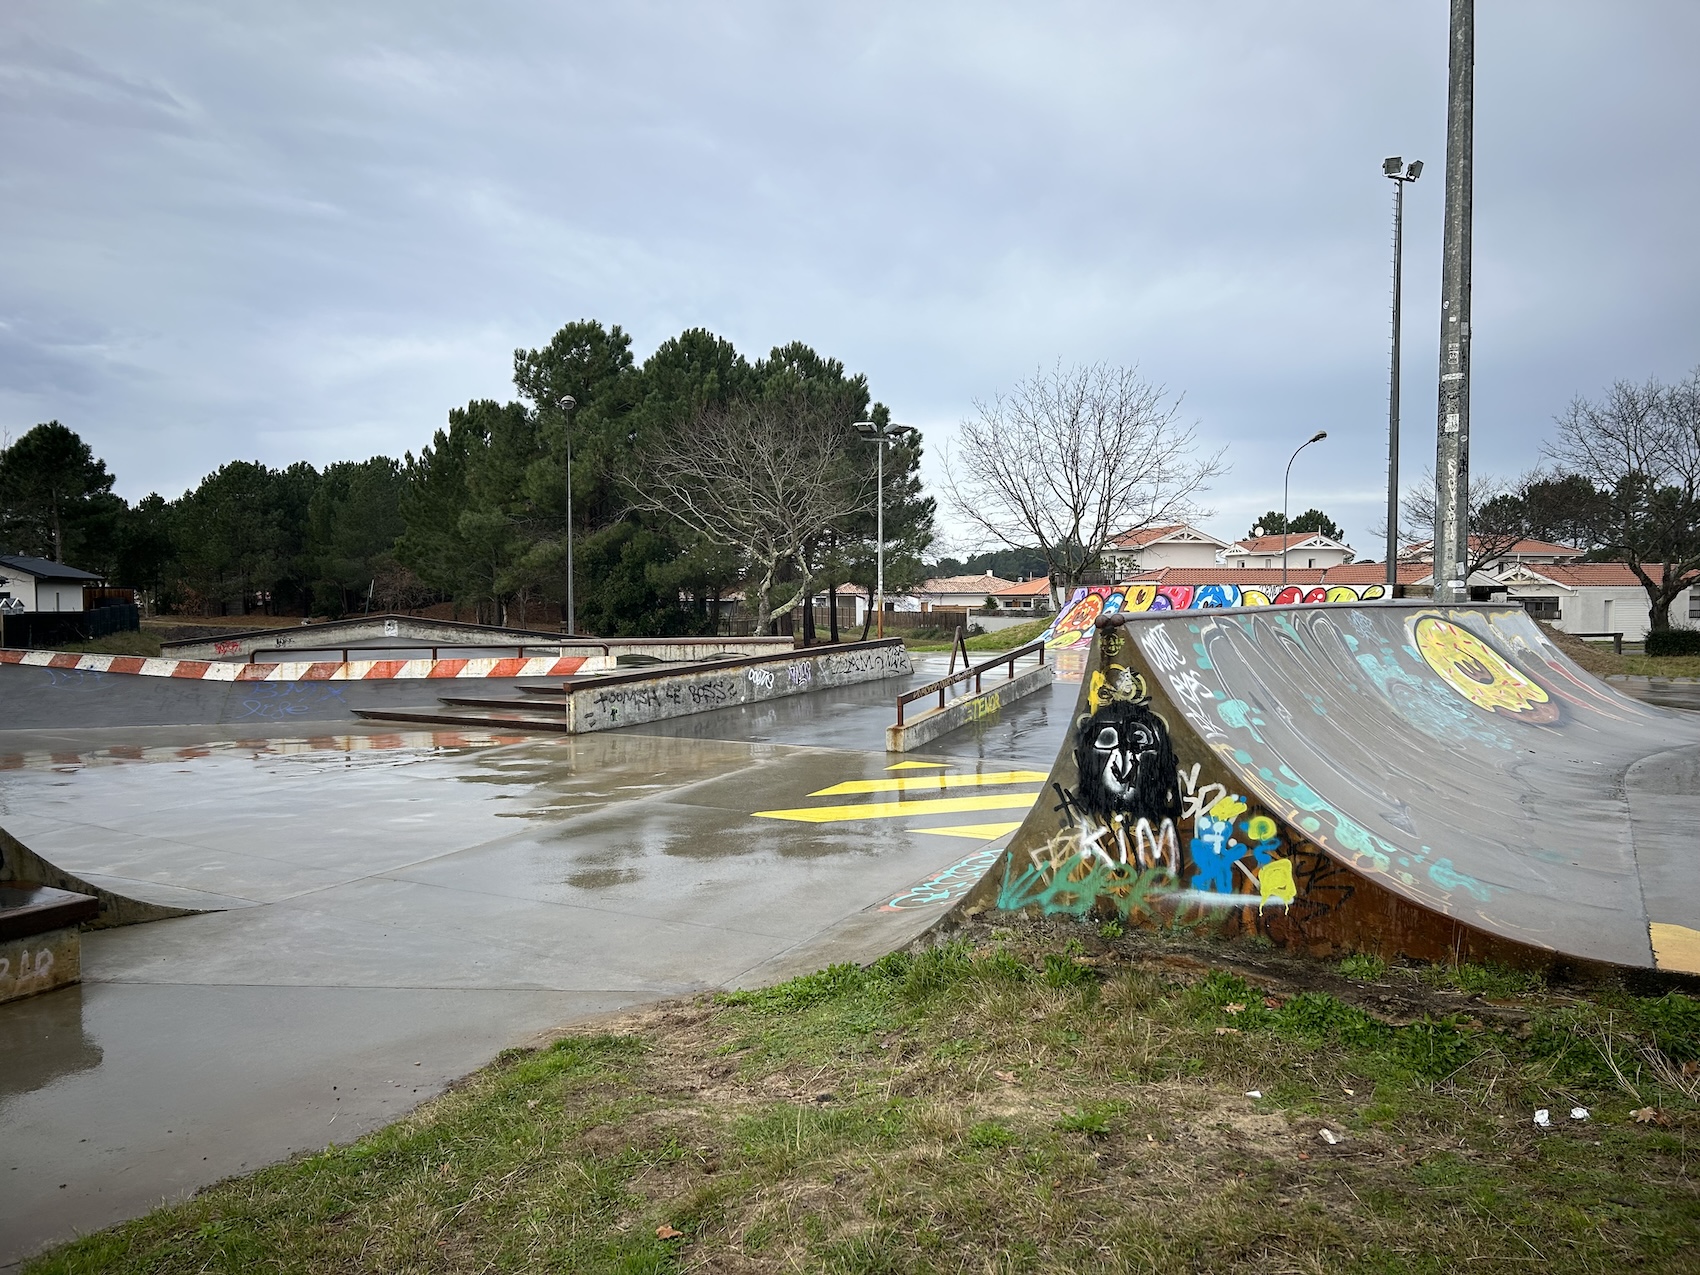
<point>512,703</point>
<point>513,719</point>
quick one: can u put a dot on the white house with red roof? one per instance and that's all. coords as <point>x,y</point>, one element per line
<point>1592,597</point>
<point>1025,595</point>
<point>1153,548</point>
<point>958,591</point>
<point>1523,551</point>
<point>1303,549</point>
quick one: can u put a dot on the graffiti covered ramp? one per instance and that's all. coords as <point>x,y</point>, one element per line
<point>1383,777</point>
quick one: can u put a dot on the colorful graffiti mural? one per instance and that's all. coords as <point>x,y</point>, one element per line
<point>1403,779</point>
<point>1073,625</point>
<point>1123,822</point>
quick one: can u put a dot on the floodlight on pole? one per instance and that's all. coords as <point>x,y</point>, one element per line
<point>881,436</point>
<point>1391,168</point>
<point>566,403</point>
<point>1286,487</point>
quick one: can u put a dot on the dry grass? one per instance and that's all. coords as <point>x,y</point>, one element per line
<point>1036,1098</point>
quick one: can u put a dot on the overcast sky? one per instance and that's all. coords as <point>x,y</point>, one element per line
<point>306,231</point>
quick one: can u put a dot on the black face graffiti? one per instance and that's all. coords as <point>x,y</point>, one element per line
<point>1127,766</point>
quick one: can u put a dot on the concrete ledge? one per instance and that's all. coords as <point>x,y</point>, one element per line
<point>39,946</point>
<point>970,708</point>
<point>606,703</point>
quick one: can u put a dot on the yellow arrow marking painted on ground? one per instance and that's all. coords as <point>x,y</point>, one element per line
<point>902,809</point>
<point>932,783</point>
<point>919,765</point>
<point>973,831</point>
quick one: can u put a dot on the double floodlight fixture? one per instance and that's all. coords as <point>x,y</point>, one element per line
<point>1391,166</point>
<point>869,430</point>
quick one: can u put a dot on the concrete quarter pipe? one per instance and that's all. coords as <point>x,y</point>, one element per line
<point>1404,780</point>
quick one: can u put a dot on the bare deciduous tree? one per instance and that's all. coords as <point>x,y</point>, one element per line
<point>1072,457</point>
<point>767,477</point>
<point>1639,447</point>
<point>1497,518</point>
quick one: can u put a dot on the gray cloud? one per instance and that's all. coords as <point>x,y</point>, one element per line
<point>307,231</point>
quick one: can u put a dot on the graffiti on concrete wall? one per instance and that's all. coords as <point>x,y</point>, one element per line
<point>1137,829</point>
<point>1073,625</point>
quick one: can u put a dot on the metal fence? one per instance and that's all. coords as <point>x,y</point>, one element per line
<point>57,628</point>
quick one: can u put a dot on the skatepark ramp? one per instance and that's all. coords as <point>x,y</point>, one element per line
<point>1398,779</point>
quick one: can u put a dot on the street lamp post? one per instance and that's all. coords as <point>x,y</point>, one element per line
<point>566,403</point>
<point>1286,486</point>
<point>881,435</point>
<point>1395,169</point>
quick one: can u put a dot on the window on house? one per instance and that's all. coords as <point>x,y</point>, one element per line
<point>1310,562</point>
<point>1694,604</point>
<point>1542,608</point>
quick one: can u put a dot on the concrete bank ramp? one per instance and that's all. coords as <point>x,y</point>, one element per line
<point>1391,778</point>
<point>122,900</point>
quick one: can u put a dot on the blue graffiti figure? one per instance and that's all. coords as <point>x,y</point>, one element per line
<point>1213,851</point>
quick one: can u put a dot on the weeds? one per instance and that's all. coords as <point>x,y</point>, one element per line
<point>1007,1104</point>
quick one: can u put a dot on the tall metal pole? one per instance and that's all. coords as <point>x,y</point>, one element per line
<point>1452,447</point>
<point>879,528</point>
<point>1393,391</point>
<point>568,402</point>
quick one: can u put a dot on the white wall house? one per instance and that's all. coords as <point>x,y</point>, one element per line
<point>1153,548</point>
<point>959,591</point>
<point>1027,596</point>
<point>1523,553</point>
<point>1303,549</point>
<point>41,585</point>
<point>1591,597</point>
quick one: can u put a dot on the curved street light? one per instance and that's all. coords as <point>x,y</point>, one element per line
<point>881,436</point>
<point>1286,486</point>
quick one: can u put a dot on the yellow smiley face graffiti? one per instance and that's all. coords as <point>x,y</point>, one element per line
<point>1479,673</point>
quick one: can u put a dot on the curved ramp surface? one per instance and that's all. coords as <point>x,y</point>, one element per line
<point>1407,780</point>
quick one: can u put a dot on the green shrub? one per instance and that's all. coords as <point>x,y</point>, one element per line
<point>1673,642</point>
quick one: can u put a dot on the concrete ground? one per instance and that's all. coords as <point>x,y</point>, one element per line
<point>397,907</point>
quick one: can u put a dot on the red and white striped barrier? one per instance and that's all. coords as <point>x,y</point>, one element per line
<point>298,670</point>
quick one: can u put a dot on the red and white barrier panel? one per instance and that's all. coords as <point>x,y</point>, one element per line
<point>298,670</point>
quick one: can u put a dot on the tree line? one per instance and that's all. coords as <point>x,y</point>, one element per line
<point>696,475</point>
<point>1619,479</point>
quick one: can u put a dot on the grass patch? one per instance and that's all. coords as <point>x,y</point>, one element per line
<point>998,640</point>
<point>142,642</point>
<point>1016,1102</point>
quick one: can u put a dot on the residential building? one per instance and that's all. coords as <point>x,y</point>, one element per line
<point>1306,549</point>
<point>958,591</point>
<point>1026,595</point>
<point>1592,597</point>
<point>40,585</point>
<point>1523,551</point>
<point>1153,548</point>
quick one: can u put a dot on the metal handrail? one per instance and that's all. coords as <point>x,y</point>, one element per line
<point>276,655</point>
<point>974,671</point>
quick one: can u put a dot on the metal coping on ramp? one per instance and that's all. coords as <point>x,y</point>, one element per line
<point>1396,778</point>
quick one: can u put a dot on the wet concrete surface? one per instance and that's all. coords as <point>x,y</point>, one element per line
<point>1666,693</point>
<point>398,906</point>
